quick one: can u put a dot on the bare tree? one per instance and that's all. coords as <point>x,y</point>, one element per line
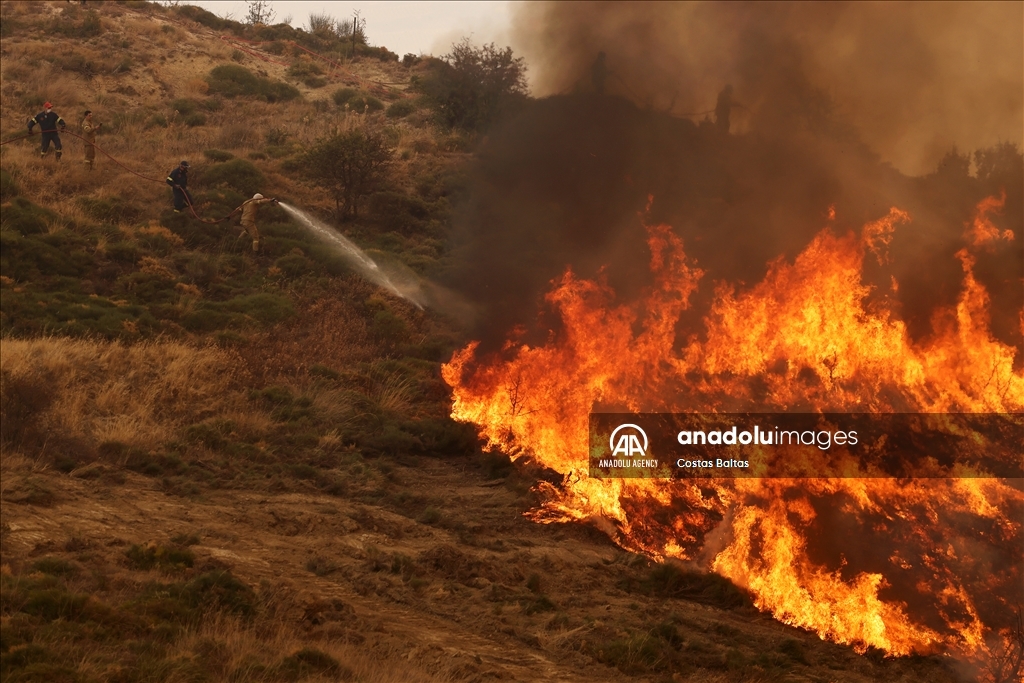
<point>259,12</point>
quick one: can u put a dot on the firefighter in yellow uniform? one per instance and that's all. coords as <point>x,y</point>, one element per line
<point>249,208</point>
<point>89,130</point>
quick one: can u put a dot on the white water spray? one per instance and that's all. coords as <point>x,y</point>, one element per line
<point>357,258</point>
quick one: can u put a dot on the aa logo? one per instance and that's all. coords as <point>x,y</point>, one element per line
<point>624,441</point>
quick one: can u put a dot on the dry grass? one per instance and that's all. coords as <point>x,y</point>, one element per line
<point>244,645</point>
<point>136,395</point>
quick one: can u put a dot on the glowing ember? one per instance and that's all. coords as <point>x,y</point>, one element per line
<point>904,566</point>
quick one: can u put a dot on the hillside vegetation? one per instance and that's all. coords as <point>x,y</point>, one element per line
<point>221,466</point>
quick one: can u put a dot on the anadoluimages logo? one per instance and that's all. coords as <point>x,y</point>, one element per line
<point>628,444</point>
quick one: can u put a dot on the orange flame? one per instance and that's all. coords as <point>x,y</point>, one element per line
<point>803,339</point>
<point>981,230</point>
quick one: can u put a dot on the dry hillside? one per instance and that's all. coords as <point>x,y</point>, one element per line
<point>225,467</point>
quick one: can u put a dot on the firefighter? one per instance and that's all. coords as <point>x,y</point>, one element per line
<point>89,130</point>
<point>249,208</point>
<point>178,180</point>
<point>49,122</point>
<point>723,108</point>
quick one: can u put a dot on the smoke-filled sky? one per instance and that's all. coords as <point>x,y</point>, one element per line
<point>914,78</point>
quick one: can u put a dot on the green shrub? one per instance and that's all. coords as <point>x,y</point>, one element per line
<point>195,119</point>
<point>365,103</point>
<point>794,650</point>
<point>400,109</point>
<point>78,63</point>
<point>39,257</point>
<point>157,121</point>
<point>431,515</point>
<point>631,655</point>
<point>89,27</point>
<point>541,603</point>
<point>184,106</point>
<point>8,188</point>
<point>276,137</point>
<point>218,155</point>
<point>33,664</point>
<point>319,370</point>
<point>25,217</point>
<point>205,17</point>
<point>264,307</point>
<point>343,95</point>
<point>238,174</point>
<point>148,557</point>
<point>239,312</point>
<point>54,566</point>
<point>122,252</point>
<point>111,210</point>
<point>304,70</point>
<point>399,212</point>
<point>294,265</point>
<point>309,662</point>
<point>231,80</point>
<point>185,539</point>
<point>219,590</point>
<point>55,603</point>
<point>670,581</point>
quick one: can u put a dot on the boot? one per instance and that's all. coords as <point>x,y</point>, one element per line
<point>59,153</point>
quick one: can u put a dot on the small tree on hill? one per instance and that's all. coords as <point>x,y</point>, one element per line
<point>473,86</point>
<point>259,12</point>
<point>350,166</point>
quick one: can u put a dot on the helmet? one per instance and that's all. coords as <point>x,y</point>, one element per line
<point>184,163</point>
<point>47,105</point>
<point>257,196</point>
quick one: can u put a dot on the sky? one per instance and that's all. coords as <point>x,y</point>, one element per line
<point>402,27</point>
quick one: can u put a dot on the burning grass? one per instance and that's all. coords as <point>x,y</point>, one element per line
<point>802,339</point>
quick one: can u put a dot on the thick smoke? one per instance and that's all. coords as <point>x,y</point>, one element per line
<point>562,184</point>
<point>914,79</point>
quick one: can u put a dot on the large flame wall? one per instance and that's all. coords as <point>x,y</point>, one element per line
<point>905,566</point>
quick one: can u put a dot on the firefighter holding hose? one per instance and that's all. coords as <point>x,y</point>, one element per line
<point>49,121</point>
<point>249,209</point>
<point>178,180</point>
